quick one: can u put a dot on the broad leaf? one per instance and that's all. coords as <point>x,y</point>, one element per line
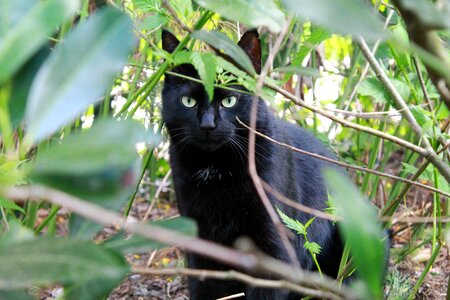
<point>343,16</point>
<point>49,260</point>
<point>153,22</point>
<point>221,41</point>
<point>16,234</point>
<point>99,164</point>
<point>253,13</point>
<point>139,244</point>
<point>24,29</point>
<point>78,72</point>
<point>205,64</point>
<point>361,229</point>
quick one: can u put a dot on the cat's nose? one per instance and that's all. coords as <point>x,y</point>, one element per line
<point>207,122</point>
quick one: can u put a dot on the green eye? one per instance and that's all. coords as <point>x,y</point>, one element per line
<point>229,101</point>
<point>188,101</point>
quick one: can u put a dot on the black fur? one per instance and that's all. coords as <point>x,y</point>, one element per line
<point>212,182</point>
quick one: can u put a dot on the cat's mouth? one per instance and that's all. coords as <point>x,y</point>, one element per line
<point>209,144</point>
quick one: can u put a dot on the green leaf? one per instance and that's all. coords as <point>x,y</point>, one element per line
<point>252,13</point>
<point>309,222</point>
<point>139,244</point>
<point>421,115</point>
<point>78,72</point>
<point>374,88</point>
<point>310,72</point>
<point>361,230</point>
<point>312,247</point>
<point>153,22</point>
<point>16,234</point>
<point>205,64</point>
<point>98,164</point>
<point>15,295</point>
<point>318,35</point>
<point>64,261</point>
<point>292,223</point>
<point>8,204</point>
<point>21,84</point>
<point>28,29</point>
<point>443,113</point>
<point>222,42</point>
<point>343,16</point>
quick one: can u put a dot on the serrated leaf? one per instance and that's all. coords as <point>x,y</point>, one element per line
<point>252,13</point>
<point>182,57</point>
<point>292,223</point>
<point>205,64</point>
<point>8,204</point>
<point>139,244</point>
<point>153,22</point>
<point>312,247</point>
<point>361,230</point>
<point>64,261</point>
<point>343,16</point>
<point>221,41</point>
<point>374,88</point>
<point>309,222</point>
<point>25,29</point>
<point>78,72</point>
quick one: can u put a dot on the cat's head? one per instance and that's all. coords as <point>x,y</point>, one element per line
<point>191,118</point>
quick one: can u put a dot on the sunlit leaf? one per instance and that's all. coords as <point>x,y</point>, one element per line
<point>253,13</point>
<point>312,247</point>
<point>361,229</point>
<point>222,42</point>
<point>24,29</point>
<point>317,36</point>
<point>78,72</point>
<point>292,223</point>
<point>343,16</point>
<point>205,64</point>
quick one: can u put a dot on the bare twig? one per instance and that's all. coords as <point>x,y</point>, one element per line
<point>233,275</point>
<point>430,154</point>
<point>158,191</point>
<point>254,262</point>
<point>251,150</point>
<point>344,122</point>
<point>346,165</point>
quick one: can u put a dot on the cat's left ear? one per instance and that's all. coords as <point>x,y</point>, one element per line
<point>169,41</point>
<point>252,46</point>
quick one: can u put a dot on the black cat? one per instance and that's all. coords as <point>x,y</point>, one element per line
<point>208,155</point>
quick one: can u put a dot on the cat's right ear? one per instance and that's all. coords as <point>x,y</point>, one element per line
<point>169,41</point>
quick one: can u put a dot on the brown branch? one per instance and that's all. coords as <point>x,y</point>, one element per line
<point>234,275</point>
<point>430,154</point>
<point>251,151</point>
<point>346,165</point>
<point>344,122</point>
<point>254,261</point>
